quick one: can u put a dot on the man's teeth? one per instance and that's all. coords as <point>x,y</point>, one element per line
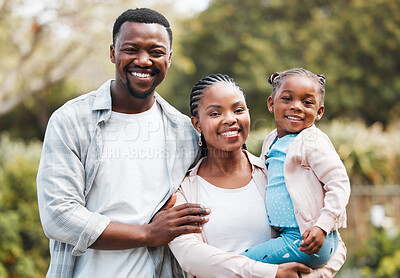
<point>230,133</point>
<point>294,118</point>
<point>140,74</point>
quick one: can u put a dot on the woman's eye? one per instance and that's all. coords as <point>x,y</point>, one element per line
<point>239,110</point>
<point>213,114</point>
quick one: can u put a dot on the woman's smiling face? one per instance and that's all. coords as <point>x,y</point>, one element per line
<point>223,117</point>
<point>296,104</point>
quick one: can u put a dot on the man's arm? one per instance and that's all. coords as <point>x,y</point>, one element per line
<point>61,196</point>
<point>166,225</point>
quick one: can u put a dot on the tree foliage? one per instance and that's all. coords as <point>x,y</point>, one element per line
<point>354,43</point>
<point>23,245</point>
<point>43,42</point>
<point>380,258</point>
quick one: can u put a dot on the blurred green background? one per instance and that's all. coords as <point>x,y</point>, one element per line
<point>52,51</point>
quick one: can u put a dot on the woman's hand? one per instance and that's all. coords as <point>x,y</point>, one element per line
<point>292,270</point>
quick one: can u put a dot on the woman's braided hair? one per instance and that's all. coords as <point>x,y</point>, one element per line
<point>197,93</point>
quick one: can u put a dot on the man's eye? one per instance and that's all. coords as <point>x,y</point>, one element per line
<point>157,53</point>
<point>129,50</point>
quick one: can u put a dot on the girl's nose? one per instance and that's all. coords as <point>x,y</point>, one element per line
<point>297,105</point>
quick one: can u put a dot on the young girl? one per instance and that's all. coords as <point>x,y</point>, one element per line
<point>231,182</point>
<point>308,187</point>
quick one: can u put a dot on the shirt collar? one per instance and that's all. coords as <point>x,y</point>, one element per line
<point>103,101</point>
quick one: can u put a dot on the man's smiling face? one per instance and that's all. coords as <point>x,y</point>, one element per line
<point>142,56</point>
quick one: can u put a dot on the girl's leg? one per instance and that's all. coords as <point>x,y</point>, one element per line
<point>284,249</point>
<point>277,250</point>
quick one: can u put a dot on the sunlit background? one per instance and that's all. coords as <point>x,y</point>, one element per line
<point>52,51</point>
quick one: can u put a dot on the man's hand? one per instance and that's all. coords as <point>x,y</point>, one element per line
<point>171,222</point>
<point>291,270</point>
<point>313,239</point>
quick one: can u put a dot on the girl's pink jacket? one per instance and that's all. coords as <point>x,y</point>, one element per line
<point>316,180</point>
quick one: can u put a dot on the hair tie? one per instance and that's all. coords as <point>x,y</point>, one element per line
<point>322,78</point>
<point>272,78</point>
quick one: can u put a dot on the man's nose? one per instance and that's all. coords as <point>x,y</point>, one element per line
<point>143,59</point>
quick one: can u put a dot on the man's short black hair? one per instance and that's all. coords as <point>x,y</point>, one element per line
<point>141,15</point>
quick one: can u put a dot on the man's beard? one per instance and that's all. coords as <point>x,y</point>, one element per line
<point>137,94</point>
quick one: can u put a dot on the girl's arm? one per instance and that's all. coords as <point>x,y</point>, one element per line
<point>326,164</point>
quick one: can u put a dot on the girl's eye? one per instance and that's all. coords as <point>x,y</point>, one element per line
<point>213,114</point>
<point>286,98</point>
<point>308,102</point>
<point>239,110</point>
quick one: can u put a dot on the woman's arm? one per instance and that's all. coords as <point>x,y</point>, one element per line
<point>332,266</point>
<point>200,259</point>
<point>203,260</point>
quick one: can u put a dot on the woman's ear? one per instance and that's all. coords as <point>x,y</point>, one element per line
<point>196,123</point>
<point>270,104</point>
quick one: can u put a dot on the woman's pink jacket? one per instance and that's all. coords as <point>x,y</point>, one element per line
<point>199,259</point>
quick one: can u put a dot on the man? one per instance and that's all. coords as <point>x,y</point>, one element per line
<point>112,159</point>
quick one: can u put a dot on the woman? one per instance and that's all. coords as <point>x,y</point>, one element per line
<point>230,181</point>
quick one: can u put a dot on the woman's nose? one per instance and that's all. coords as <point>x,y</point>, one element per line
<point>230,118</point>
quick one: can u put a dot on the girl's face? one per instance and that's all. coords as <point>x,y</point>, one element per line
<point>223,117</point>
<point>296,104</point>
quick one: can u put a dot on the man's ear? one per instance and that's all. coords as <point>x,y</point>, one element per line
<point>112,53</point>
<point>320,113</point>
<point>196,123</point>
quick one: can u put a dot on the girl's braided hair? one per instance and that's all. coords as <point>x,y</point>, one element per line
<point>276,79</point>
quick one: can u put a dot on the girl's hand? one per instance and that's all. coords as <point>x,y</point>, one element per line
<point>313,239</point>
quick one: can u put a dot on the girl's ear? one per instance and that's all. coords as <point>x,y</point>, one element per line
<point>270,104</point>
<point>196,123</point>
<point>320,113</point>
